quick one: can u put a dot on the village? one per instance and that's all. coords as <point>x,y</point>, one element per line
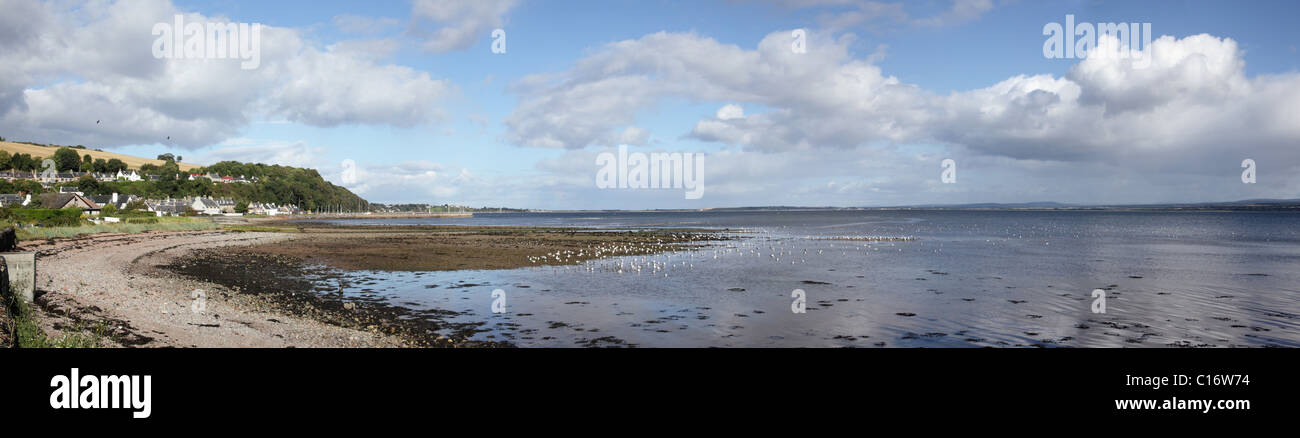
<point>94,205</point>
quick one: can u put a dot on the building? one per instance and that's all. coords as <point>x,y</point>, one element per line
<point>129,176</point>
<point>167,207</point>
<point>18,174</point>
<point>117,201</point>
<point>206,206</point>
<point>69,200</point>
<point>14,199</point>
<point>227,205</point>
<point>268,209</point>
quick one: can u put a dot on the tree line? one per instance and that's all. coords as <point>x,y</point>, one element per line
<point>65,160</point>
<point>276,184</point>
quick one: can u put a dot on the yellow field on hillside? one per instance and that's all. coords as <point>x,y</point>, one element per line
<point>48,152</point>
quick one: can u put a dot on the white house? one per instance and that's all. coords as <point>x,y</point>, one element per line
<point>206,206</point>
<point>132,176</point>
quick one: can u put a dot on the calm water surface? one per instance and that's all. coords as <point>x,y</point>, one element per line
<point>970,279</point>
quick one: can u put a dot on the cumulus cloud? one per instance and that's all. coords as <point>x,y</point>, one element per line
<point>580,107</point>
<point>731,112</point>
<point>456,25</point>
<point>66,66</point>
<point>284,153</point>
<point>1193,97</point>
<point>328,89</point>
<point>422,181</point>
<point>1190,112</point>
<point>1192,106</point>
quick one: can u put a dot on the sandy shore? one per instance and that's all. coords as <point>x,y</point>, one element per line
<point>110,280</point>
<point>245,289</point>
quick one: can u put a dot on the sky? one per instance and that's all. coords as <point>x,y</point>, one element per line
<point>789,102</point>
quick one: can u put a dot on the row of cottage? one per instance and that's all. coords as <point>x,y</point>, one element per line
<point>160,207</point>
<point>60,177</point>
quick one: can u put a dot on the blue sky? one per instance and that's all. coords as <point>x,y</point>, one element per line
<point>887,91</point>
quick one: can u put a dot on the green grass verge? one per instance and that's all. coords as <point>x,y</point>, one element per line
<point>164,224</point>
<point>27,332</point>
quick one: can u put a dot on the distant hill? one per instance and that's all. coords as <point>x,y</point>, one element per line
<point>48,152</point>
<point>996,205</point>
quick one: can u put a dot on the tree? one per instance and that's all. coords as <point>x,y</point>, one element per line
<point>29,186</point>
<point>178,158</point>
<point>100,165</point>
<point>66,159</point>
<point>21,162</point>
<point>108,210</point>
<point>241,207</point>
<point>87,184</point>
<point>115,165</point>
<point>167,157</point>
<point>6,161</point>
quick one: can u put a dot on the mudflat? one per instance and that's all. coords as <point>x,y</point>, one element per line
<point>443,248</point>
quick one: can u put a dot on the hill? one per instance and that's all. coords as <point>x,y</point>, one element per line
<point>48,152</point>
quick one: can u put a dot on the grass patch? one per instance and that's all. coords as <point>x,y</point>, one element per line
<point>44,217</point>
<point>162,224</point>
<point>27,332</point>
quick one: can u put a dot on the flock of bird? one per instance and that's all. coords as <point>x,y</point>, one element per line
<point>659,257</point>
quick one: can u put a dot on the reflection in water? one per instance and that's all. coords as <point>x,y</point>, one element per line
<point>970,278</point>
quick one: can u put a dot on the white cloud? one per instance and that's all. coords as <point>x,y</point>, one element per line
<point>284,153</point>
<point>1192,112</point>
<point>68,65</point>
<point>580,107</point>
<point>332,88</point>
<point>456,25</point>
<point>422,181</point>
<point>731,112</point>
